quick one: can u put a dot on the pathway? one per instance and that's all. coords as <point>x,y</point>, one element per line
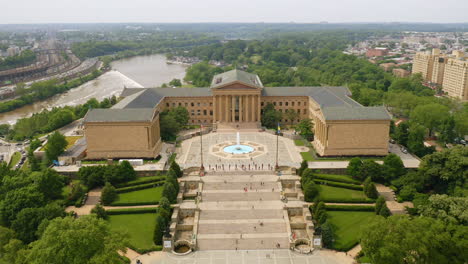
<point>94,196</point>
<point>390,199</point>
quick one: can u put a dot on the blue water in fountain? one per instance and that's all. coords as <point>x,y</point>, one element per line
<point>238,149</point>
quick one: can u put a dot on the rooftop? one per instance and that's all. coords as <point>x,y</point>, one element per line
<point>236,75</point>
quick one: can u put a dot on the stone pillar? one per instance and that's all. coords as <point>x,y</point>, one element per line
<point>226,107</point>
<point>214,108</point>
<point>241,110</point>
<point>233,108</point>
<point>257,105</point>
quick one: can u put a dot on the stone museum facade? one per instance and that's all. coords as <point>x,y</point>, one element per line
<point>130,129</point>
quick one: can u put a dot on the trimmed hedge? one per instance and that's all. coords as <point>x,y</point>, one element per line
<point>336,178</point>
<point>142,251</point>
<point>132,211</point>
<point>133,203</point>
<point>348,200</point>
<point>339,184</point>
<point>135,183</point>
<point>361,208</point>
<point>140,187</point>
<point>346,248</point>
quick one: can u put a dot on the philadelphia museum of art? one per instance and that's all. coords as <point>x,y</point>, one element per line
<point>130,129</point>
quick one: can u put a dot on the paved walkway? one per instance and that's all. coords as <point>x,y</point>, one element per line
<point>276,256</point>
<point>94,196</point>
<point>390,199</point>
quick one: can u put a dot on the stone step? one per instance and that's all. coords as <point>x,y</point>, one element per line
<point>242,205</point>
<point>239,185</point>
<point>241,214</point>
<point>240,178</point>
<point>241,196</point>
<point>241,228</point>
<point>248,241</point>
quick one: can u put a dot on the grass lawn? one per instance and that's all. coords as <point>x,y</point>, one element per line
<point>299,142</point>
<point>66,190</point>
<point>307,156</point>
<point>140,227</point>
<point>15,159</point>
<point>150,195</point>
<point>338,178</point>
<point>143,179</point>
<point>330,192</point>
<point>347,227</point>
<point>71,140</point>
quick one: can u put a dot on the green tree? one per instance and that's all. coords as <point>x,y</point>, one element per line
<point>126,171</point>
<point>402,133</point>
<point>305,129</point>
<point>327,234</point>
<point>55,146</point>
<point>99,211</point>
<point>310,191</point>
<point>379,203</point>
<point>16,200</point>
<point>159,229</point>
<point>86,239</point>
<point>400,239</point>
<point>354,168</point>
<point>416,139</point>
<point>384,211</point>
<point>393,167</point>
<point>270,117</point>
<point>176,169</point>
<point>446,208</point>
<point>447,130</point>
<point>291,115</point>
<point>371,191</point>
<point>108,194</point>
<point>169,192</point>
<point>49,182</point>
<point>175,82</point>
<point>431,115</point>
<point>304,165</point>
<point>370,168</point>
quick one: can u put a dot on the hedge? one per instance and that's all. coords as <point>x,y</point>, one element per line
<point>133,203</point>
<point>336,178</point>
<point>140,187</point>
<point>348,200</point>
<point>132,211</point>
<point>361,208</point>
<point>339,184</point>
<point>142,251</point>
<point>346,248</point>
<point>135,183</point>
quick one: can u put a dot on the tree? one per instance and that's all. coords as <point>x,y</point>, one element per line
<point>86,239</point>
<point>108,194</point>
<point>270,117</point>
<point>175,82</point>
<point>402,133</point>
<point>291,115</point>
<point>169,191</point>
<point>16,200</point>
<point>99,211</point>
<point>393,167</point>
<point>430,115</point>
<point>55,146</point>
<point>371,191</point>
<point>165,203</point>
<point>372,169</point>
<point>366,183</point>
<point>176,169</point>
<point>379,203</point>
<point>11,249</point>
<point>307,176</point>
<point>416,139</point>
<point>126,171</point>
<point>446,208</point>
<point>401,239</point>
<point>447,130</point>
<point>305,129</point>
<point>159,229</point>
<point>354,168</point>
<point>384,211</point>
<point>327,234</point>
<point>49,182</point>
<point>310,191</point>
<point>304,165</point>
<point>171,177</point>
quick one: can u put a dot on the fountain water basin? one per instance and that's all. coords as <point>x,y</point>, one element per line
<point>238,148</point>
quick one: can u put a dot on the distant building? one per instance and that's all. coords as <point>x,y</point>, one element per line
<point>450,71</point>
<point>387,66</point>
<point>12,51</point>
<point>401,73</point>
<point>377,52</point>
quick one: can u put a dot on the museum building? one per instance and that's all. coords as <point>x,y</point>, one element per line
<point>342,127</point>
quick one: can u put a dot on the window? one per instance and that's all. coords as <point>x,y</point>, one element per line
<point>280,103</point>
<point>262,104</point>
<point>198,113</point>
<point>173,104</point>
<point>211,104</point>
<point>298,103</point>
<point>292,103</point>
<point>204,112</point>
<point>192,112</point>
<point>198,104</point>
<point>298,111</point>
<point>180,104</point>
<point>305,111</point>
<point>167,104</point>
<point>192,104</point>
<point>211,112</point>
<point>286,103</point>
<point>274,103</point>
<point>186,104</point>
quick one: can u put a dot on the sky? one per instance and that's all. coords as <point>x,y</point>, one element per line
<point>173,11</point>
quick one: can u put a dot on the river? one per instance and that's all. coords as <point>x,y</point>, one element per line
<point>140,71</point>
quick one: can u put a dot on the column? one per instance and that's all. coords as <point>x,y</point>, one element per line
<point>214,108</point>
<point>233,108</point>
<point>257,106</point>
<point>226,105</point>
<point>241,111</point>
<point>252,109</point>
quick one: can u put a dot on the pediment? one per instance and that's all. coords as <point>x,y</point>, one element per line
<point>237,85</point>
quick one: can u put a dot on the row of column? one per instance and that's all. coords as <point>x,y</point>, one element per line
<point>224,107</point>
<point>321,131</point>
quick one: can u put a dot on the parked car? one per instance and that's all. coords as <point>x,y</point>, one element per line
<point>404,150</point>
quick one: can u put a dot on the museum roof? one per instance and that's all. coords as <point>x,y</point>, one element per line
<point>120,115</point>
<point>356,113</point>
<point>236,75</point>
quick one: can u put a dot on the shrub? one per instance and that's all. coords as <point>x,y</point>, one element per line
<point>304,165</point>
<point>360,208</point>
<point>125,171</point>
<point>307,175</point>
<point>371,191</point>
<point>370,168</point>
<point>159,229</point>
<point>327,235</point>
<point>173,180</point>
<point>108,194</point>
<point>176,168</point>
<point>310,191</point>
<point>164,203</point>
<point>378,204</point>
<point>140,182</point>
<point>354,168</point>
<point>339,184</point>
<point>117,203</point>
<point>99,211</point>
<point>169,192</point>
<point>77,193</point>
<point>348,200</point>
<point>407,193</point>
<point>384,211</point>
<point>366,183</point>
<point>142,251</point>
<point>336,178</point>
<point>132,211</point>
<point>139,187</point>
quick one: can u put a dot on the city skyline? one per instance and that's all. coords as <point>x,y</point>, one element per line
<point>184,11</point>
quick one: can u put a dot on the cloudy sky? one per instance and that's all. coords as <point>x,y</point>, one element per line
<point>85,11</point>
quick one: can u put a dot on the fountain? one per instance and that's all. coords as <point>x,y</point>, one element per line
<point>238,148</point>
